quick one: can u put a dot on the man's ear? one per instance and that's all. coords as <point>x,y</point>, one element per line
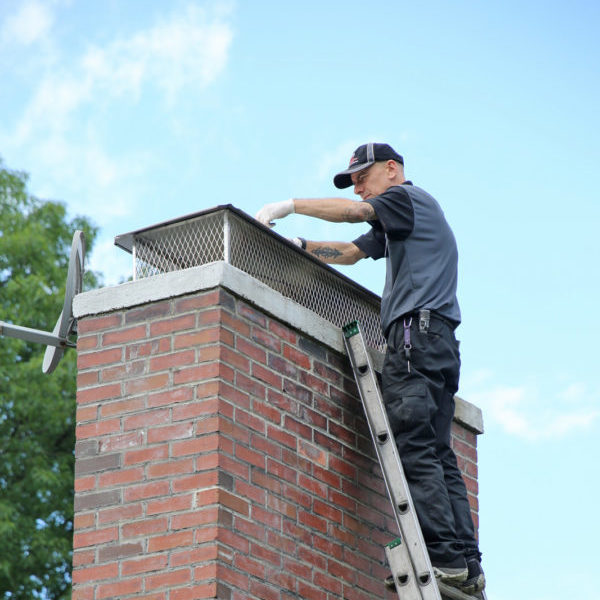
<point>391,169</point>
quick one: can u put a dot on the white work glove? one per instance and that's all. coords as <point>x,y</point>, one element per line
<point>276,210</point>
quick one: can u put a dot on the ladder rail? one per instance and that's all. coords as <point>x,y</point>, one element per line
<point>407,555</point>
<point>420,570</point>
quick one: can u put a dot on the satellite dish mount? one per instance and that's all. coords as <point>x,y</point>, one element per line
<point>57,341</point>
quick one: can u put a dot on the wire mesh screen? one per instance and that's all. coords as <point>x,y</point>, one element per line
<point>226,235</point>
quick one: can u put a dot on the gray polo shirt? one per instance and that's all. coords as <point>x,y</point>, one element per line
<point>420,249</point>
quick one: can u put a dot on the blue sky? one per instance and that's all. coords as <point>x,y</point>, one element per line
<point>136,112</point>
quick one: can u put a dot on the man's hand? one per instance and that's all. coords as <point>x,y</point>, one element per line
<point>277,210</point>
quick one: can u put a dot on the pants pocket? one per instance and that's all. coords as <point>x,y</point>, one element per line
<point>407,407</point>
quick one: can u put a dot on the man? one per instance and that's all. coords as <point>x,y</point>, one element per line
<point>419,313</point>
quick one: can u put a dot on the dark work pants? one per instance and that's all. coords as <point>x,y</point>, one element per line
<point>420,408</point>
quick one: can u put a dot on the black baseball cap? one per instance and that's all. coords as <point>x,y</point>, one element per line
<point>364,156</point>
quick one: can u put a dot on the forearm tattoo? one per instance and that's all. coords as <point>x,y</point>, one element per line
<point>326,252</point>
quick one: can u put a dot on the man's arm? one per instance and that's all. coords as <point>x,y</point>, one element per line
<point>338,253</point>
<point>338,210</point>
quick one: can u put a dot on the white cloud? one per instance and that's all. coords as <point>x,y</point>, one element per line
<point>32,22</point>
<point>189,50</point>
<point>525,412</point>
<point>63,127</point>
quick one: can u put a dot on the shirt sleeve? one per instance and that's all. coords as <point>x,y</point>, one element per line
<point>394,210</point>
<point>372,243</point>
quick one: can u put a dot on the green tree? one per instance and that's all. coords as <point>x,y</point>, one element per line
<point>37,411</point>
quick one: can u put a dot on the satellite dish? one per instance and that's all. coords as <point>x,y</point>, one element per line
<point>58,340</point>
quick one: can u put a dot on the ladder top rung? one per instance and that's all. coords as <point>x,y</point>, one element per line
<point>350,329</point>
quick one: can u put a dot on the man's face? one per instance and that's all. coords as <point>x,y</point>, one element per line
<point>371,182</point>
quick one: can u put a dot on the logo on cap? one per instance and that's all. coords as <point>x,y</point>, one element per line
<point>353,160</point>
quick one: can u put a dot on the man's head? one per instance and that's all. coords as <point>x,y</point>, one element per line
<point>372,170</point>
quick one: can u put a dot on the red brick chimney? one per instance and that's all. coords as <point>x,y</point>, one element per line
<point>222,450</point>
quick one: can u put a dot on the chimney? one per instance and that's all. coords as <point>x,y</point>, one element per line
<point>222,450</point>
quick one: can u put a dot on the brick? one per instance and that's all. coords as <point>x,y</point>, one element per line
<point>245,419</point>
<point>169,504</point>
<point>266,375</point>
<point>87,342</point>
<point>118,551</point>
<point>196,592</point>
<point>98,358</point>
<point>151,348</point>
<point>202,337</point>
<point>144,527</point>
<point>197,301</point>
<point>93,538</point>
<point>121,442</point>
<point>84,521</point>
<point>86,448</point>
<point>195,519</point>
<point>234,503</point>
<point>150,311</point>
<point>146,384</point>
<point>89,324</point>
<point>121,407</point>
<point>464,449</point>
<point>87,379</point>
<point>184,394</point>
<point>170,432</point>
<point>312,453</point>
<point>119,513</point>
<point>120,477</point>
<point>207,443</point>
<point>300,359</point>
<point>125,370</point>
<point>283,332</point>
<point>97,394</point>
<point>146,490</point>
<point>299,392</point>
<point>84,557</point>
<point>254,458</point>
<point>128,334</point>
<point>86,413</point>
<point>170,468</point>
<point>250,350</point>
<point>237,325</point>
<point>170,579</point>
<point>144,565</point>
<point>251,314</point>
<point>146,418</point>
<point>170,541</point>
<point>98,428</point>
<point>195,482</point>
<point>312,348</point>
<point>146,455</point>
<point>197,373</point>
<point>282,437</point>
<point>97,500</point>
<point>176,359</point>
<point>266,339</point>
<point>95,573</point>
<point>196,555</point>
<point>235,359</point>
<point>120,589</point>
<point>291,424</point>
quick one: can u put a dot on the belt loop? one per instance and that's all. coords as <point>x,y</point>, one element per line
<point>424,317</point>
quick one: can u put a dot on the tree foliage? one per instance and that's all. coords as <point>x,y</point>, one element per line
<point>37,411</point>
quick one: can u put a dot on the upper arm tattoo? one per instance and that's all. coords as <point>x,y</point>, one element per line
<point>362,211</point>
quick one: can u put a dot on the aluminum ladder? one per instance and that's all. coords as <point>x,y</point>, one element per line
<point>407,555</point>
